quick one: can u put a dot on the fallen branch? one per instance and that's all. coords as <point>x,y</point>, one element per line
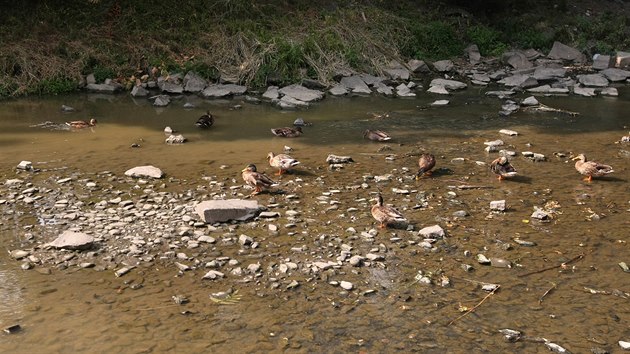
<point>553,286</point>
<point>561,265</point>
<point>475,307</point>
<point>544,108</point>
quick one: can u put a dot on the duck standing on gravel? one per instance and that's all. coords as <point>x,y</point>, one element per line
<point>502,167</point>
<point>205,121</point>
<point>385,214</point>
<point>591,169</point>
<point>80,124</point>
<point>256,179</point>
<point>287,132</point>
<point>282,162</point>
<point>426,163</point>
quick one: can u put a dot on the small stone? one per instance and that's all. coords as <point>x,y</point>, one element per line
<point>624,345</point>
<point>434,231</point>
<point>481,259</point>
<point>498,205</point>
<point>346,285</point>
<point>25,165</point>
<point>508,132</point>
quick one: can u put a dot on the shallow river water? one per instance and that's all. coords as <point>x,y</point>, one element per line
<point>580,306</point>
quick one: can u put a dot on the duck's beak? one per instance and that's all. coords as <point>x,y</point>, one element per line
<point>243,170</point>
<point>575,158</point>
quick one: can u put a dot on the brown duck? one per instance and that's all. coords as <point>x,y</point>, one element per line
<point>79,124</point>
<point>502,167</point>
<point>256,179</point>
<point>385,214</point>
<point>376,135</point>
<point>287,132</point>
<point>591,169</point>
<point>426,163</point>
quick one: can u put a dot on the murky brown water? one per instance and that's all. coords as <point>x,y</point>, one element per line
<point>83,310</point>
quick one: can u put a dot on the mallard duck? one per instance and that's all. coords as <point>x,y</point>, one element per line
<point>287,132</point>
<point>205,121</point>
<point>78,124</point>
<point>426,163</point>
<point>376,135</point>
<point>385,214</point>
<point>502,167</point>
<point>591,168</point>
<point>282,162</point>
<point>256,179</point>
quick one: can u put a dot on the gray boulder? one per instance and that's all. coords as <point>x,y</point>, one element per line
<point>338,90</point>
<point>139,91</point>
<point>223,90</point>
<point>547,89</point>
<point>584,91</point>
<point>371,80</point>
<point>403,90</point>
<point>516,59</point>
<point>145,171</point>
<point>290,102</point>
<point>161,100</point>
<point>301,93</point>
<point>522,81</point>
<point>169,86</point>
<point>71,240</point>
<point>399,73</point>
<point>194,83</point>
<point>443,66</point>
<point>438,89</point>
<point>601,62</point>
<point>564,52</point>
<point>418,66</point>
<point>355,84</point>
<point>472,52</point>
<point>104,88</point>
<point>313,84</point>
<point>448,84</point>
<point>213,211</point>
<point>547,74</point>
<point>271,93</point>
<point>614,74</point>
<point>593,80</point>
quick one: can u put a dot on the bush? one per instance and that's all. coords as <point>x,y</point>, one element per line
<point>432,40</point>
<point>487,39</point>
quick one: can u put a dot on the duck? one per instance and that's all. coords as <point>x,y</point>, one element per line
<point>591,169</point>
<point>376,135</point>
<point>281,161</point>
<point>385,214</point>
<point>256,179</point>
<point>205,121</point>
<point>426,163</point>
<point>287,132</point>
<point>78,124</point>
<point>299,122</point>
<point>502,167</point>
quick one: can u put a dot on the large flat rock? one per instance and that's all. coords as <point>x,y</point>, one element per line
<point>145,171</point>
<point>212,211</point>
<point>71,240</point>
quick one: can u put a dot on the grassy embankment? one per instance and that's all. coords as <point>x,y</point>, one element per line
<point>47,46</point>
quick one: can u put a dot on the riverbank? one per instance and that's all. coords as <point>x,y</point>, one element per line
<point>50,48</point>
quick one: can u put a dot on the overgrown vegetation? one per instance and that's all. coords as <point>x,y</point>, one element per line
<point>48,46</point>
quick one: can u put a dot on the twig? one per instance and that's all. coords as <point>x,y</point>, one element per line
<point>467,186</point>
<point>553,286</point>
<point>561,265</point>
<point>474,307</point>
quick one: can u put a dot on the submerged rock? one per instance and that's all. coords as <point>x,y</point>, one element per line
<point>145,171</point>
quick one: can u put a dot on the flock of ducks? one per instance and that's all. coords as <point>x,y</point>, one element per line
<point>386,215</point>
<point>383,214</point>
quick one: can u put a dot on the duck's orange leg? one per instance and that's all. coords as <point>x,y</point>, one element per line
<point>501,178</point>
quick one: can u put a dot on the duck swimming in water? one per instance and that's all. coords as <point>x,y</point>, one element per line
<point>591,169</point>
<point>79,124</point>
<point>376,135</point>
<point>287,132</point>
<point>205,121</point>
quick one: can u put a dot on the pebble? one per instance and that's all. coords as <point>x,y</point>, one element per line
<point>498,205</point>
<point>508,132</point>
<point>346,285</point>
<point>481,259</point>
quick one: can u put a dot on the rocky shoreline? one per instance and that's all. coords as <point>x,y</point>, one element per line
<point>564,70</point>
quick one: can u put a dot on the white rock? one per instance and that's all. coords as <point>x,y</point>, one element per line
<point>508,132</point>
<point>25,165</point>
<point>72,240</point>
<point>434,231</point>
<point>498,205</point>
<point>145,171</point>
<point>230,209</point>
<point>346,285</point>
